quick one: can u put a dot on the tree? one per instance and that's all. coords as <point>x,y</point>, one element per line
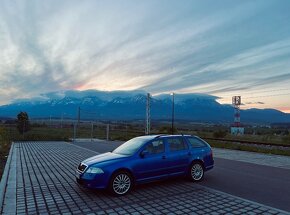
<point>23,124</point>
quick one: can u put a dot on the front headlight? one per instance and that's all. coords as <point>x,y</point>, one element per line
<point>95,170</point>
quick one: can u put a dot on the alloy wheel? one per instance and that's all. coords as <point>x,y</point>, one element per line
<point>197,172</point>
<point>121,184</point>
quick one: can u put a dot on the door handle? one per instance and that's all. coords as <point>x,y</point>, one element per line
<point>163,157</point>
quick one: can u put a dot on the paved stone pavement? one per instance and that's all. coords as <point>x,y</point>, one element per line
<point>41,181</point>
<point>253,157</point>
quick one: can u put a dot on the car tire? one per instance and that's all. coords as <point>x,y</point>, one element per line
<point>121,183</point>
<point>196,172</point>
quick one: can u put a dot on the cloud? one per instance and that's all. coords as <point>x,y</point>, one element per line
<point>156,46</point>
<point>250,103</point>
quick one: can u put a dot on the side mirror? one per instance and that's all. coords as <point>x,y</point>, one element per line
<point>144,153</point>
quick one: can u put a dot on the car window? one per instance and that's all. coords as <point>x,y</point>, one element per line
<point>176,144</point>
<point>155,147</point>
<point>194,142</point>
<point>131,146</point>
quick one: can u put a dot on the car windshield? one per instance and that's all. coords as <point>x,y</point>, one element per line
<point>131,146</point>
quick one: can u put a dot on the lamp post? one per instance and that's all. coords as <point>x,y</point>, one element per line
<point>61,122</point>
<point>172,119</point>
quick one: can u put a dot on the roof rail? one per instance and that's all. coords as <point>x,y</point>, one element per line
<point>157,136</point>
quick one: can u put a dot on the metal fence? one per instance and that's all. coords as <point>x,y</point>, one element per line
<point>59,129</point>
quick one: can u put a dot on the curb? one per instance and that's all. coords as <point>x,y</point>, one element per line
<point>4,179</point>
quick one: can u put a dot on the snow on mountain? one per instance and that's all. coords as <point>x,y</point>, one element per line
<point>126,105</point>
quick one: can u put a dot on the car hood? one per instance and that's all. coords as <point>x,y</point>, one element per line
<point>103,158</point>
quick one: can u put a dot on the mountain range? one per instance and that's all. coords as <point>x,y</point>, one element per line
<point>131,105</point>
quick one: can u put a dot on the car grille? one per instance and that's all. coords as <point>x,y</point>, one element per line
<point>82,167</point>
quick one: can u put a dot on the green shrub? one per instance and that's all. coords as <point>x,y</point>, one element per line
<point>286,139</point>
<point>219,134</point>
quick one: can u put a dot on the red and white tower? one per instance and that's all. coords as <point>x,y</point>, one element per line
<point>236,101</point>
<point>236,128</point>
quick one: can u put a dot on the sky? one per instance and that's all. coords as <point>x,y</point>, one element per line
<point>222,48</point>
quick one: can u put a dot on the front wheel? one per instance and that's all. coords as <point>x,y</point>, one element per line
<point>196,172</point>
<point>121,183</point>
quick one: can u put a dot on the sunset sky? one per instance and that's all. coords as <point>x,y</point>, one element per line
<point>223,48</point>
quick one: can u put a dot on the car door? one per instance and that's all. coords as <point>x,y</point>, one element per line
<point>152,163</point>
<point>200,150</point>
<point>178,155</point>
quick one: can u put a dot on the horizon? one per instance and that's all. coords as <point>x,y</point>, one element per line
<point>220,48</point>
<point>58,95</point>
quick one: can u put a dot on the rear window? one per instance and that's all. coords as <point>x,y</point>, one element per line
<point>194,142</point>
<point>176,144</point>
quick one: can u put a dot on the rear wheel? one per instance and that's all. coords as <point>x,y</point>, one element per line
<point>121,183</point>
<point>196,171</point>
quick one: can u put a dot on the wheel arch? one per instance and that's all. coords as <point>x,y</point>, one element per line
<point>197,160</point>
<point>124,169</point>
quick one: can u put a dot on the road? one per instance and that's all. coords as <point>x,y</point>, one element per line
<point>263,184</point>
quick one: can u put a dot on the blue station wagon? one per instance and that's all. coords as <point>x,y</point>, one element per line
<point>145,159</point>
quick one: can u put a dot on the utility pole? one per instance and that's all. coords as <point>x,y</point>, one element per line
<point>108,132</point>
<point>148,117</point>
<point>61,120</point>
<point>172,119</point>
<point>92,130</point>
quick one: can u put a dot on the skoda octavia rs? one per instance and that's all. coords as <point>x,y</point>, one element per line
<point>145,159</point>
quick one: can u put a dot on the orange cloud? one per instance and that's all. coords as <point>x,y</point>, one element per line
<point>284,109</point>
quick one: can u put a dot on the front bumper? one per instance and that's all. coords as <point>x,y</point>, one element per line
<point>92,181</point>
<point>88,184</point>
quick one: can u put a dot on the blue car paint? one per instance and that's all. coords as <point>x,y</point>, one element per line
<point>149,168</point>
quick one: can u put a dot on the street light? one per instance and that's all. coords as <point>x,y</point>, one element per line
<point>61,122</point>
<point>172,119</point>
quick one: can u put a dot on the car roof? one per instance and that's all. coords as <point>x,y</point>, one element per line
<point>151,137</point>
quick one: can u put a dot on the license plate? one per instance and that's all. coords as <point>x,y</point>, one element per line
<point>78,175</point>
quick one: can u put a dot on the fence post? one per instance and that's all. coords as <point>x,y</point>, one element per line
<point>23,130</point>
<point>126,131</point>
<point>108,131</point>
<point>92,129</point>
<point>75,131</point>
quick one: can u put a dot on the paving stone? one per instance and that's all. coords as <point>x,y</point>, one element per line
<point>46,184</point>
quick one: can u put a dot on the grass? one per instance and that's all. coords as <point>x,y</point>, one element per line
<point>274,139</point>
<point>5,144</point>
<point>230,145</point>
